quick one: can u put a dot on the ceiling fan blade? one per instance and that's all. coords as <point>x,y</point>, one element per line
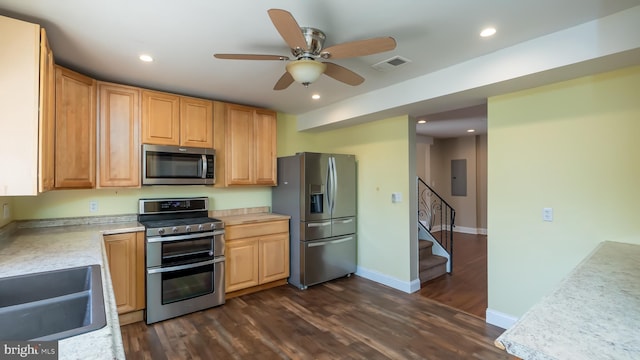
<point>285,80</point>
<point>343,74</point>
<point>359,48</point>
<point>288,28</point>
<point>249,57</point>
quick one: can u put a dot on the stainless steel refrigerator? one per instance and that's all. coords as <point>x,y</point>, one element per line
<point>318,191</point>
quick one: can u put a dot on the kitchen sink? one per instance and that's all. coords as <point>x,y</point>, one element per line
<point>52,305</point>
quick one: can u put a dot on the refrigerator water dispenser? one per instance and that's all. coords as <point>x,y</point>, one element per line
<point>315,203</point>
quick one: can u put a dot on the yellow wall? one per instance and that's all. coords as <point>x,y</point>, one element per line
<point>573,146</point>
<point>382,155</point>
<point>73,203</point>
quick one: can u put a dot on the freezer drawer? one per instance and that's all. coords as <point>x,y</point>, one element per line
<point>343,226</point>
<point>328,259</point>
<point>314,230</point>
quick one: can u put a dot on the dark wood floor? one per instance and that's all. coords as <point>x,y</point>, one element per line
<point>349,318</point>
<point>466,288</point>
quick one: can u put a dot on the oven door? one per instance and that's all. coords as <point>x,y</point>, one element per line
<point>179,249</point>
<point>177,290</point>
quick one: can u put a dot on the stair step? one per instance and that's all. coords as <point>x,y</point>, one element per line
<point>424,249</point>
<point>432,261</point>
<point>432,267</point>
<point>423,244</point>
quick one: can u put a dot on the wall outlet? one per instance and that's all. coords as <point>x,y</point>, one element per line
<point>6,211</point>
<point>93,206</point>
<point>547,214</point>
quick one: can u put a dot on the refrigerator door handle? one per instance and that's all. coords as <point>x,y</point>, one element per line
<point>323,243</point>
<point>334,183</point>
<point>312,225</point>
<point>344,221</point>
<point>329,186</point>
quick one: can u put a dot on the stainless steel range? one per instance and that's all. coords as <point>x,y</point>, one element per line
<point>184,257</point>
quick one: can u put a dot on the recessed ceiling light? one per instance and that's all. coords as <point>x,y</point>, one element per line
<point>315,96</point>
<point>422,121</point>
<point>488,32</point>
<point>146,58</point>
<point>471,130</point>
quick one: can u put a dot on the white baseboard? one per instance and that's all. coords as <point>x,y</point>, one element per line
<point>462,229</point>
<point>408,287</point>
<point>465,230</point>
<point>500,319</point>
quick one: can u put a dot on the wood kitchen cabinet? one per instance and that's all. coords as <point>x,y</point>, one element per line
<point>47,117</point>
<point>125,253</point>
<point>245,143</point>
<point>75,137</point>
<point>169,119</point>
<point>257,256</point>
<point>242,264</point>
<point>26,108</point>
<point>118,135</point>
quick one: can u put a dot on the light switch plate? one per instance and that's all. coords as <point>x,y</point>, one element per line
<point>396,197</point>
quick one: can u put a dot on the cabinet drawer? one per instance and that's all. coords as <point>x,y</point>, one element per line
<point>256,229</point>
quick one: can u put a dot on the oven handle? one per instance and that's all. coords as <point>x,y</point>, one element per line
<point>185,267</point>
<point>184,237</point>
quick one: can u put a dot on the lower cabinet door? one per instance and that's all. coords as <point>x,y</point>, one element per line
<point>274,257</point>
<point>125,253</point>
<point>241,264</point>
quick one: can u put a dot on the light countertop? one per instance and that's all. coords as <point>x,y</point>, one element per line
<point>31,250</point>
<point>593,314</point>
<point>251,218</point>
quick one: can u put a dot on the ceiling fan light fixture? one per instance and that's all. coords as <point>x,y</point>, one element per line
<point>305,71</point>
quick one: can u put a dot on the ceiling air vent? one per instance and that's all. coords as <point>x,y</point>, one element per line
<point>390,64</point>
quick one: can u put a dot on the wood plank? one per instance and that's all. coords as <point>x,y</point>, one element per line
<point>352,318</point>
<point>466,288</point>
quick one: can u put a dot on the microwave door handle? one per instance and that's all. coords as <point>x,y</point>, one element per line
<point>204,166</point>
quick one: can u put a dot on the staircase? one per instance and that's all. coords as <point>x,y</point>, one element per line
<point>436,220</point>
<point>431,265</point>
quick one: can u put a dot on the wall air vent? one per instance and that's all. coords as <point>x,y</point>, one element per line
<point>390,64</point>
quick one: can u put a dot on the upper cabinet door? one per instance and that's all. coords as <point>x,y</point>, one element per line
<point>196,122</point>
<point>47,118</point>
<point>245,144</point>
<point>265,147</point>
<point>239,145</point>
<point>119,136</point>
<point>19,87</point>
<point>160,118</point>
<point>75,130</point>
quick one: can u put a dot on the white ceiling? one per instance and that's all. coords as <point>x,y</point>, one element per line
<point>104,40</point>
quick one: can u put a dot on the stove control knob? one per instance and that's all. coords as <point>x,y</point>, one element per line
<point>174,229</point>
<point>188,228</point>
<point>200,227</point>
<point>161,231</point>
<point>212,225</point>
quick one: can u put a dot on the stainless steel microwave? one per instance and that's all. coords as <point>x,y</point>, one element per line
<point>177,165</point>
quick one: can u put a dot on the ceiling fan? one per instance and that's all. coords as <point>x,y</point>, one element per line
<point>306,45</point>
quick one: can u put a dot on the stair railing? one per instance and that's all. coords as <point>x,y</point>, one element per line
<point>436,216</point>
